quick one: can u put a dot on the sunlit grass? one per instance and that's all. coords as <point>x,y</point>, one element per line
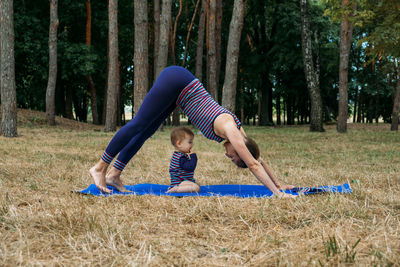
<point>43,223</point>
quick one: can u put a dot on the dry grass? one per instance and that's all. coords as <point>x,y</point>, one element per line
<point>43,223</point>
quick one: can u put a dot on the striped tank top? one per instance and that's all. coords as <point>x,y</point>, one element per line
<point>202,109</point>
<point>177,173</point>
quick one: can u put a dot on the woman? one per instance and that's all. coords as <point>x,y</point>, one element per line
<point>177,86</point>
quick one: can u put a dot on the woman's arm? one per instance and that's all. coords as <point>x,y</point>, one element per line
<point>225,126</point>
<point>235,137</point>
<point>273,178</point>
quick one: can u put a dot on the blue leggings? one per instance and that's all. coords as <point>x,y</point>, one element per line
<point>158,104</point>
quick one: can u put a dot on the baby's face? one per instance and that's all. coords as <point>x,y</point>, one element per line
<point>185,145</point>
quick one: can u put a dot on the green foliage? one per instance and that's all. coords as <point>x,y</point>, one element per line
<point>31,54</point>
<point>384,36</point>
<point>337,11</point>
<point>270,51</point>
<point>77,60</point>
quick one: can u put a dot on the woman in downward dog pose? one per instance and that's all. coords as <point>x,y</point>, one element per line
<point>177,86</point>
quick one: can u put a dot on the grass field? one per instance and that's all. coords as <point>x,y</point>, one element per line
<point>43,223</point>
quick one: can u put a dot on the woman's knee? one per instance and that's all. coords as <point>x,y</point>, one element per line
<point>136,124</point>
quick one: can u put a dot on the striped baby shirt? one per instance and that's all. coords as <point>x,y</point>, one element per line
<point>182,168</point>
<point>202,109</point>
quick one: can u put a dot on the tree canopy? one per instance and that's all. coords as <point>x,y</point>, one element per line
<point>270,71</point>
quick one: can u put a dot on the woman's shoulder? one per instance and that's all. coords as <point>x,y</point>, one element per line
<point>224,124</point>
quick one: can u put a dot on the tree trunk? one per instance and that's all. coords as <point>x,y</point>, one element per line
<point>176,113</point>
<point>112,76</point>
<point>232,55</point>
<point>200,43</point>
<point>51,83</point>
<point>211,51</point>
<point>264,44</point>
<point>80,106</point>
<point>355,105</point>
<point>92,90</point>
<point>93,100</point>
<point>218,42</point>
<point>2,19</point>
<point>396,106</point>
<point>346,33</point>
<point>310,71</point>
<point>7,70</point>
<point>378,92</point>
<point>265,99</point>
<point>189,32</point>
<point>156,35</point>
<point>278,109</point>
<point>104,113</point>
<point>119,106</point>
<point>284,111</point>
<point>360,102</point>
<point>242,102</point>
<point>259,105</point>
<point>173,33</point>
<point>68,102</point>
<point>290,110</point>
<point>165,22</point>
<point>140,61</point>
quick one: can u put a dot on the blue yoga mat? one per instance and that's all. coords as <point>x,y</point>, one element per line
<point>232,190</point>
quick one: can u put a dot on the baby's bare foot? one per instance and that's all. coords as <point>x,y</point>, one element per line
<point>117,183</point>
<point>172,190</point>
<point>99,180</point>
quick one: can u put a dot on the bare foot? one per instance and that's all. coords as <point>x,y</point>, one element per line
<point>185,187</point>
<point>117,183</point>
<point>99,180</point>
<point>172,190</point>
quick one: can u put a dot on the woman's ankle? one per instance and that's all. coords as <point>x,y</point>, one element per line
<point>101,166</point>
<point>114,173</point>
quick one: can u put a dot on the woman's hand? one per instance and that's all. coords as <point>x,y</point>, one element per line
<point>286,187</point>
<point>284,195</point>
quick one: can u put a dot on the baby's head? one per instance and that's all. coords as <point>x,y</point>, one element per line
<point>182,139</point>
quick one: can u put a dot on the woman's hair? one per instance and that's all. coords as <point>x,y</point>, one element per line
<point>254,150</point>
<point>179,133</point>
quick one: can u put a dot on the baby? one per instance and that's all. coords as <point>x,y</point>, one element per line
<point>183,162</point>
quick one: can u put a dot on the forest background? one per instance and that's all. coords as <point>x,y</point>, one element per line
<point>271,85</point>
<point>55,59</point>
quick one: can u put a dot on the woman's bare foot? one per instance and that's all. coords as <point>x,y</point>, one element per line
<point>98,174</point>
<point>117,183</point>
<point>113,179</point>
